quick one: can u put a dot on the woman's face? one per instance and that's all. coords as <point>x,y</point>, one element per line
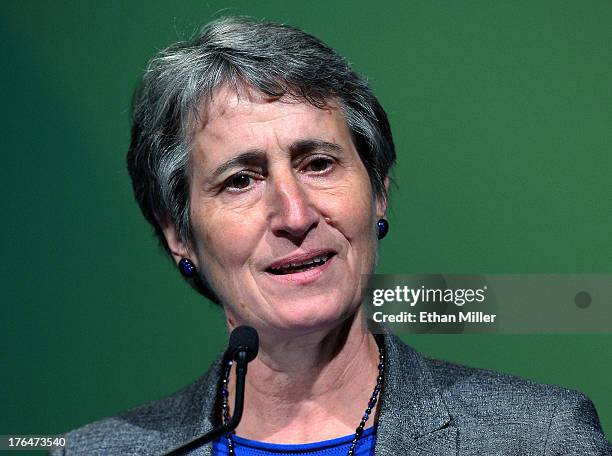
<point>282,212</point>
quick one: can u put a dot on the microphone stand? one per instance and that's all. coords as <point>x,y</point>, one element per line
<point>241,360</point>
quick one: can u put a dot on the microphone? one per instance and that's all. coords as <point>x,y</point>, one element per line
<point>243,348</point>
<point>244,338</point>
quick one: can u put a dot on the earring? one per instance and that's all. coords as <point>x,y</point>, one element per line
<point>383,228</point>
<point>187,267</point>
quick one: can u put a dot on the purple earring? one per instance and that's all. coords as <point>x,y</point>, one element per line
<point>383,228</point>
<point>187,267</point>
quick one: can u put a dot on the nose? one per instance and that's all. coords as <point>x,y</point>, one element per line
<point>292,213</point>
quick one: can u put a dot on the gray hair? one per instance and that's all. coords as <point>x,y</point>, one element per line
<point>277,60</point>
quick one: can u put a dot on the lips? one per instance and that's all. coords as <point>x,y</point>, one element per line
<point>301,262</point>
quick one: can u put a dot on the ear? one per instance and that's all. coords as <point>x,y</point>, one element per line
<point>381,201</point>
<point>178,248</point>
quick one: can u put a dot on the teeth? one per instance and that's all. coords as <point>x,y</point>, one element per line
<point>318,260</point>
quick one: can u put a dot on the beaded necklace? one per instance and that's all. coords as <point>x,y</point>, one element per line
<point>364,418</point>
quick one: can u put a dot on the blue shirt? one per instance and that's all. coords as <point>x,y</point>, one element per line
<point>333,447</point>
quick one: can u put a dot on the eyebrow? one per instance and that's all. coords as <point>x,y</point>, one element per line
<point>252,157</point>
<point>302,146</point>
<point>257,157</point>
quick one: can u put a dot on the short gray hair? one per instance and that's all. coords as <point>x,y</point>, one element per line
<point>275,59</point>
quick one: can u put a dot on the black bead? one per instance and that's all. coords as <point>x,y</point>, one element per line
<point>383,228</point>
<point>187,267</point>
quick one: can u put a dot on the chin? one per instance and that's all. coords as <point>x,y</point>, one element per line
<point>312,318</point>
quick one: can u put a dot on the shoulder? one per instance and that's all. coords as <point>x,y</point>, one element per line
<point>152,428</point>
<point>498,408</point>
<point>558,420</point>
<point>494,392</point>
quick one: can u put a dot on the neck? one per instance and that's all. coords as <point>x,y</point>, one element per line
<point>310,388</point>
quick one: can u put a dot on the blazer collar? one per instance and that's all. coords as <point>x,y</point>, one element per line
<point>413,416</point>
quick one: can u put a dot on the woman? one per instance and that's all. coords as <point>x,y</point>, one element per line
<point>261,160</point>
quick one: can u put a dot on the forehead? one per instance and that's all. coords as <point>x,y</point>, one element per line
<point>233,121</point>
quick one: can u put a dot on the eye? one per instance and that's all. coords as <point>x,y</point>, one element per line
<point>319,164</point>
<point>238,182</point>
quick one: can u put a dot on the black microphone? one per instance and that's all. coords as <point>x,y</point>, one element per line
<point>244,338</point>
<point>243,348</point>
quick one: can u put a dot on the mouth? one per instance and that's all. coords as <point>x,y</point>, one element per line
<point>300,263</point>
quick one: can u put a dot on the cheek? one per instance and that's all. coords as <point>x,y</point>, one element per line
<point>354,213</point>
<point>224,239</point>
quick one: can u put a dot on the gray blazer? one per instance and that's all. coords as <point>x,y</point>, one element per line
<point>428,407</point>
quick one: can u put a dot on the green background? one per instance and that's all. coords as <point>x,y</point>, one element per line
<point>502,116</point>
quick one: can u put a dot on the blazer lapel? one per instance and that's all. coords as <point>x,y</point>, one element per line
<point>198,418</point>
<point>413,416</point>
